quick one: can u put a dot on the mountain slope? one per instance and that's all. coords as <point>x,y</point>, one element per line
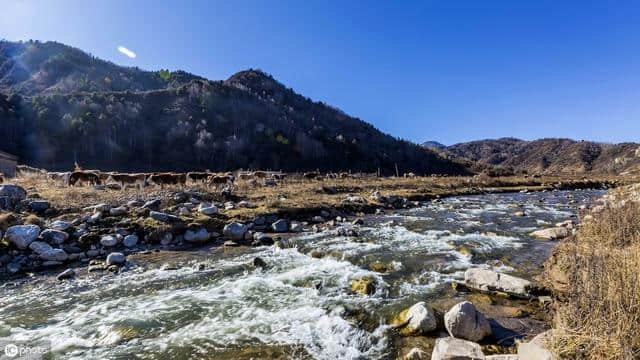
<point>551,156</point>
<point>34,67</point>
<point>57,110</point>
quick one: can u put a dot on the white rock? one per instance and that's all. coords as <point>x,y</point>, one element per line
<point>463,321</point>
<point>535,349</point>
<point>115,258</point>
<point>109,240</point>
<point>22,235</point>
<point>456,349</point>
<point>235,231</point>
<point>60,225</point>
<point>487,280</point>
<point>130,241</point>
<point>420,319</point>
<point>551,233</point>
<point>46,252</point>
<point>415,354</point>
<point>207,209</point>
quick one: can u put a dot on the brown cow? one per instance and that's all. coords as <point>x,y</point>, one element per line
<point>168,179</point>
<point>62,178</point>
<point>196,176</point>
<point>133,179</point>
<point>215,180</point>
<point>310,176</point>
<point>83,177</point>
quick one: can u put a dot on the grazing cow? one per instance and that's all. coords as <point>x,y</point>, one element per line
<point>310,176</point>
<point>198,176</point>
<point>132,179</point>
<point>215,180</point>
<point>168,179</point>
<point>259,174</point>
<point>83,177</point>
<point>61,178</point>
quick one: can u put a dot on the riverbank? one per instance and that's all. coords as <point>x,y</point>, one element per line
<point>595,277</point>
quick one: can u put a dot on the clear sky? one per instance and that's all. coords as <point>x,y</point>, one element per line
<point>449,71</point>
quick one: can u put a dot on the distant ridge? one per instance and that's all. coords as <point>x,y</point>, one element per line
<point>550,156</point>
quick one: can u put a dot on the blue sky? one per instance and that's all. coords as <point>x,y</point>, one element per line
<point>449,71</point>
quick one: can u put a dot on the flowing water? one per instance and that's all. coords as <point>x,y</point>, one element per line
<point>299,306</point>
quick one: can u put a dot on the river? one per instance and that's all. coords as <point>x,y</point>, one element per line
<point>216,305</point>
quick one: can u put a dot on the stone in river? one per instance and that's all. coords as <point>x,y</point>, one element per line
<point>419,319</point>
<point>464,321</point>
<point>488,280</point>
<point>365,285</point>
<point>456,349</point>
<point>551,233</point>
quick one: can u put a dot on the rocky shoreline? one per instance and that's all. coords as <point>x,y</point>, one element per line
<point>102,238</point>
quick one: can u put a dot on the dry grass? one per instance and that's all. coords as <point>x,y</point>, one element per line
<point>601,317</point>
<point>294,195</point>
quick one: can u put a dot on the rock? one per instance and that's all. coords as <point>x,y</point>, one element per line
<point>317,254</point>
<point>115,258</point>
<point>231,243</point>
<point>262,239</point>
<point>456,349</point>
<point>95,217</point>
<point>55,237</point>
<point>487,280</point>
<point>67,274</point>
<point>130,241</point>
<point>365,285</point>
<point>183,211</point>
<point>60,225</point>
<point>419,319</point>
<point>535,349</point>
<point>13,267</point>
<point>197,236</point>
<point>520,213</point>
<point>39,205</point>
<point>46,252</point>
<point>22,235</point>
<point>207,209</point>
<point>235,230</point>
<point>247,204</point>
<point>317,219</point>
<point>108,241</point>
<point>11,195</point>
<point>415,354</point>
<point>134,204</point>
<point>280,226</point>
<point>551,233</point>
<point>379,266</point>
<point>258,262</point>
<point>356,199</point>
<point>463,321</point>
<point>152,204</point>
<point>295,227</point>
<point>164,217</point>
<point>118,211</point>
<point>166,239</point>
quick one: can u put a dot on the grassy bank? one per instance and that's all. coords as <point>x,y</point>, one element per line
<point>598,316</point>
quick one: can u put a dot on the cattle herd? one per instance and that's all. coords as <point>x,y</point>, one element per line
<point>82,177</point>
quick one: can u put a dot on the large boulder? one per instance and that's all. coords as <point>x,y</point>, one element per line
<point>365,285</point>
<point>235,230</point>
<point>116,258</point>
<point>456,349</point>
<point>488,280</point>
<point>22,235</point>
<point>464,321</point>
<point>416,320</point>
<point>11,195</point>
<point>108,241</point>
<point>535,349</point>
<point>47,253</point>
<point>554,233</point>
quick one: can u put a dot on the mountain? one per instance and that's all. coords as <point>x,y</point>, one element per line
<point>549,156</point>
<point>58,109</point>
<point>432,145</point>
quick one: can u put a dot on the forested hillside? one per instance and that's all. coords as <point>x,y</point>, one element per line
<point>56,110</point>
